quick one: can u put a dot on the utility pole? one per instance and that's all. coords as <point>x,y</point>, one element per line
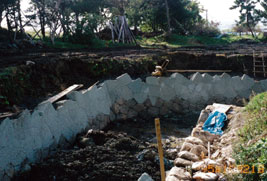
<point>207,20</point>
<point>207,16</point>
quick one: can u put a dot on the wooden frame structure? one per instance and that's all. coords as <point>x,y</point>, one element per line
<point>120,30</point>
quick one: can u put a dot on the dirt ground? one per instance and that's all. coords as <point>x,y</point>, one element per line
<point>28,77</point>
<point>123,151</point>
<point>12,57</point>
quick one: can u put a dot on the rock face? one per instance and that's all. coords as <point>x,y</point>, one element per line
<point>35,134</point>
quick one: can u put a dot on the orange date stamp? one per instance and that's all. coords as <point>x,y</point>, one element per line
<point>244,169</point>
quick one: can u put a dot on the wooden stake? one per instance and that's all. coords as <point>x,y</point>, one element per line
<point>183,71</point>
<point>162,170</point>
<point>209,150</point>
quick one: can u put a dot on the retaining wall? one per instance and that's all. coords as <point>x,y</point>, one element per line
<point>34,135</point>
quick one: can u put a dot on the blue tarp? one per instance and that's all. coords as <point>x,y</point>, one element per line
<point>215,123</point>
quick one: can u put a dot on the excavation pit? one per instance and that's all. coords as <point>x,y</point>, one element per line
<point>36,134</point>
<point>123,151</point>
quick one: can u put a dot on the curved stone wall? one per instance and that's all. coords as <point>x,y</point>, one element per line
<point>34,135</point>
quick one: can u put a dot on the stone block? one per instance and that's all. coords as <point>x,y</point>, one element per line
<point>194,140</point>
<point>145,177</point>
<point>132,114</point>
<point>152,81</point>
<point>131,103</point>
<point>196,78</point>
<point>247,81</point>
<point>123,80</point>
<point>179,162</point>
<point>243,86</point>
<point>139,107</point>
<point>166,92</point>
<point>163,110</point>
<point>179,173</point>
<point>198,150</point>
<point>123,109</point>
<point>264,85</point>
<point>225,76</point>
<point>111,86</point>
<point>184,91</point>
<point>103,121</point>
<point>153,90</point>
<point>206,78</point>
<point>159,103</point>
<point>222,89</point>
<point>257,88</point>
<point>140,97</point>
<point>77,115</point>
<point>175,107</point>
<point>67,130</point>
<point>186,146</point>
<point>153,100</point>
<point>153,111</point>
<point>112,116</point>
<point>97,101</point>
<point>136,86</point>
<point>205,176</point>
<point>125,93</point>
<point>180,79</point>
<point>189,156</point>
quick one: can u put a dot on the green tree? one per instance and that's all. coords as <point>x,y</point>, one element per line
<point>248,13</point>
<point>184,15</point>
<point>263,13</point>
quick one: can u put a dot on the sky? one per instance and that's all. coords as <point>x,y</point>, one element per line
<point>218,10</point>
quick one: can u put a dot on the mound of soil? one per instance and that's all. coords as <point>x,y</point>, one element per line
<point>109,156</point>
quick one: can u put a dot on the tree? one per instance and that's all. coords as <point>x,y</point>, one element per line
<point>248,13</point>
<point>135,13</point>
<point>239,28</point>
<point>183,15</point>
<point>4,5</point>
<point>168,17</point>
<point>39,6</point>
<point>263,13</point>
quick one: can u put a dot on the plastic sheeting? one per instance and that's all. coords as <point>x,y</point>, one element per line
<point>215,123</point>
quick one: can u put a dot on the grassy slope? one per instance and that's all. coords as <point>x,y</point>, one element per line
<point>174,41</point>
<point>252,148</point>
<point>177,40</point>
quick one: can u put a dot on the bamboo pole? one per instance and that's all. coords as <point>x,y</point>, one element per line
<point>162,170</point>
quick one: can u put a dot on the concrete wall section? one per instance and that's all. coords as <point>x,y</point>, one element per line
<point>35,134</point>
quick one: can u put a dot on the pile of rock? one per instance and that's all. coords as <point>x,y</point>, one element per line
<point>206,156</point>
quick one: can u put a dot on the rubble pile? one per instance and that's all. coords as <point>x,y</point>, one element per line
<point>206,156</point>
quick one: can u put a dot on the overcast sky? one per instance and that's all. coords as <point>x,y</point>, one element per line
<point>218,10</point>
